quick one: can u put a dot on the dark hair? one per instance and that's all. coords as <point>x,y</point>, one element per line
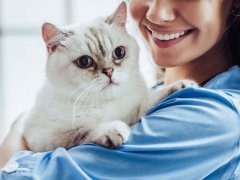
<point>232,35</point>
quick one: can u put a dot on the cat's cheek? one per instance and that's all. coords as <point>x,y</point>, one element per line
<point>115,79</point>
<point>78,77</point>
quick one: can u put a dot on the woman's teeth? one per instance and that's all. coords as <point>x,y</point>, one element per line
<point>166,37</point>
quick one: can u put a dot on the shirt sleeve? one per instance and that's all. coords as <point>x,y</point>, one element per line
<point>192,134</point>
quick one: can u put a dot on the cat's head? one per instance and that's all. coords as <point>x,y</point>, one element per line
<point>99,56</point>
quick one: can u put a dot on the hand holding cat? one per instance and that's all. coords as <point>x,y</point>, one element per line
<point>12,144</point>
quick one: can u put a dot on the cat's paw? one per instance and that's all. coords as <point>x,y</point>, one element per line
<point>182,84</point>
<point>110,134</point>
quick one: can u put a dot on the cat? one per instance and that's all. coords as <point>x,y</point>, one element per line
<point>94,90</point>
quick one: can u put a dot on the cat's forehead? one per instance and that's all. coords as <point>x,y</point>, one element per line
<point>97,38</point>
<point>98,41</point>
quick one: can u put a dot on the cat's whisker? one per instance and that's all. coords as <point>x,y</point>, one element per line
<point>84,93</point>
<point>81,97</point>
<point>73,93</point>
<point>75,105</point>
<point>97,93</point>
<point>79,100</point>
<point>93,88</point>
<point>137,82</point>
<point>93,98</point>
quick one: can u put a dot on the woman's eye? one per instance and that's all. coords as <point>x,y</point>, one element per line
<point>84,62</point>
<point>119,53</point>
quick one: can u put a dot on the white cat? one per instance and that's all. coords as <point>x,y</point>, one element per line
<point>94,90</point>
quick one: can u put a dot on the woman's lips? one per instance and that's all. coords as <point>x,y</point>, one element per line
<point>162,43</point>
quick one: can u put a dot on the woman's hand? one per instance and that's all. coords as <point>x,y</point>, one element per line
<point>12,144</point>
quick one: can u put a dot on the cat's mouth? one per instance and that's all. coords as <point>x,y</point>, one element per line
<point>110,84</point>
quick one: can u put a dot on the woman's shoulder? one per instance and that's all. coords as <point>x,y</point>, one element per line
<point>194,121</point>
<point>193,107</point>
<point>214,99</point>
<point>220,94</point>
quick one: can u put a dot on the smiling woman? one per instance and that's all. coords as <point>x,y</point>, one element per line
<point>22,49</point>
<point>191,134</point>
<point>191,29</point>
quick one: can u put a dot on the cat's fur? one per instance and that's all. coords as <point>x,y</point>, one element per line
<point>79,105</point>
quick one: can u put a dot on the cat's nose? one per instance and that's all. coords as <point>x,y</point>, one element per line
<point>108,71</point>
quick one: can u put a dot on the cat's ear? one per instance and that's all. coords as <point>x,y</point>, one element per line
<point>52,36</point>
<point>119,17</point>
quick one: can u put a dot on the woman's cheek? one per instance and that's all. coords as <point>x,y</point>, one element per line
<point>137,9</point>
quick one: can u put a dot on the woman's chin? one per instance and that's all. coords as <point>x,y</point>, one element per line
<point>165,63</point>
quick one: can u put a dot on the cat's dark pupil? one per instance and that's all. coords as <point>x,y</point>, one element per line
<point>119,52</point>
<point>85,62</point>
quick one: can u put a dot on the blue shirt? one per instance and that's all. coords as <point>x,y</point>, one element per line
<point>192,134</point>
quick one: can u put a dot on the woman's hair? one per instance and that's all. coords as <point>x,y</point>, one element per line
<point>232,35</point>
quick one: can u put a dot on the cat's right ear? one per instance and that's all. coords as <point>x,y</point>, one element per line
<point>119,17</point>
<point>52,36</point>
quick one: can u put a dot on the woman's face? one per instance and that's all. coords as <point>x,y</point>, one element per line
<point>180,31</point>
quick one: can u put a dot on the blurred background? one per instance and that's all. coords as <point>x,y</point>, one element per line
<point>22,50</point>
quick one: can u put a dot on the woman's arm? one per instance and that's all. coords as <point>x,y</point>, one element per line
<point>12,144</point>
<point>190,135</point>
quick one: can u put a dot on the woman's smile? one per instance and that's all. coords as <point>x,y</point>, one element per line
<point>170,28</point>
<point>166,39</point>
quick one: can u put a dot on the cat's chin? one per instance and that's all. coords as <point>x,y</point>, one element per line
<point>111,91</point>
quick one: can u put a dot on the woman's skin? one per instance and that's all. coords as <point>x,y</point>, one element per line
<point>12,144</point>
<point>199,56</point>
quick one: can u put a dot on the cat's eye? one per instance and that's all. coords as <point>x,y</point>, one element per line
<point>84,62</point>
<point>119,53</point>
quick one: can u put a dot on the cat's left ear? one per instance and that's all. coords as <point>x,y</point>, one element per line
<point>52,36</point>
<point>119,17</point>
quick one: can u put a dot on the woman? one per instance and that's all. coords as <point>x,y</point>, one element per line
<point>192,134</point>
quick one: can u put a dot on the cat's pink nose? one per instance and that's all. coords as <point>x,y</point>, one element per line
<point>108,71</point>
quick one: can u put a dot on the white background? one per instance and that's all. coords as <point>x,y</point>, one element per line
<point>22,50</point>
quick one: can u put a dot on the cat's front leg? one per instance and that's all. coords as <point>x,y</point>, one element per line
<point>156,95</point>
<point>181,84</point>
<point>109,134</point>
<point>164,91</point>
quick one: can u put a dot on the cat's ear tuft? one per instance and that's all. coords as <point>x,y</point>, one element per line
<point>51,36</point>
<point>49,31</point>
<point>119,17</point>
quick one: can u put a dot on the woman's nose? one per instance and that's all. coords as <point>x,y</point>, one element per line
<point>160,11</point>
